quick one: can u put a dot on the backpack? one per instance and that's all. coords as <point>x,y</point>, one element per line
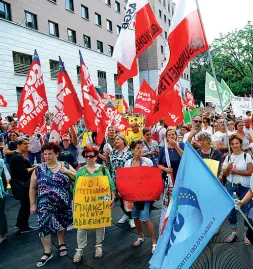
<point>156,135</point>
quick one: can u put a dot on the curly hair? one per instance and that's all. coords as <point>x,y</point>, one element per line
<point>51,146</point>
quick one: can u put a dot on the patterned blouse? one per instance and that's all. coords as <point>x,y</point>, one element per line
<point>147,148</point>
<point>118,161</point>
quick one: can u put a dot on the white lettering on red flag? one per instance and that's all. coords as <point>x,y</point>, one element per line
<point>33,101</point>
<point>68,107</point>
<point>145,99</point>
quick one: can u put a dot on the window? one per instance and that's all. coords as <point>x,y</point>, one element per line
<point>85,12</point>
<point>160,13</point>
<point>110,50</point>
<point>78,73</point>
<point>71,36</point>
<point>55,1</point>
<point>98,19</point>
<point>102,80</point>
<point>187,76</point>
<point>130,83</point>
<point>54,68</point>
<point>19,92</point>
<point>109,25</point>
<point>53,28</point>
<point>31,20</point>
<point>169,6</point>
<point>100,46</point>
<point>118,29</point>
<point>162,49</point>
<point>166,34</point>
<point>5,11</point>
<point>164,3</point>
<point>117,6</point>
<point>86,40</point>
<point>169,22</point>
<point>165,18</point>
<point>70,5</point>
<point>21,63</point>
<point>118,90</point>
<point>108,2</point>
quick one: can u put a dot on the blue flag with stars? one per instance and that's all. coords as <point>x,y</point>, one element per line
<point>198,207</point>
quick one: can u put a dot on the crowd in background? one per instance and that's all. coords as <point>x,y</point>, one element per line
<point>43,175</point>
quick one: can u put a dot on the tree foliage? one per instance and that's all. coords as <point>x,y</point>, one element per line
<point>232,55</point>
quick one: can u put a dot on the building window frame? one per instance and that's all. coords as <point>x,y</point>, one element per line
<point>85,12</point>
<point>19,93</point>
<point>110,50</point>
<point>78,72</point>
<point>87,44</point>
<point>109,25</point>
<point>160,13</point>
<point>55,28</point>
<point>118,29</point>
<point>100,46</point>
<point>21,63</point>
<point>33,23</point>
<point>98,19</point>
<point>117,6</point>
<point>118,90</point>
<point>165,18</point>
<point>54,68</point>
<point>108,3</point>
<point>162,50</point>
<point>6,11</point>
<point>71,38</point>
<point>69,5</point>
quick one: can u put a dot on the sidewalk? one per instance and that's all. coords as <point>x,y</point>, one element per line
<point>22,251</point>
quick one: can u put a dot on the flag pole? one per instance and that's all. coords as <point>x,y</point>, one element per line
<point>216,82</point>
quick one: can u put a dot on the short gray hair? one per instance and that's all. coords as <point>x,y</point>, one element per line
<point>205,136</point>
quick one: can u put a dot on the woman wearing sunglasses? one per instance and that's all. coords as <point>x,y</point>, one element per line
<point>10,148</point>
<point>92,169</point>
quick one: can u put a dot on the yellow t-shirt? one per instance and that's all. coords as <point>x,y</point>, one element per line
<point>134,136</point>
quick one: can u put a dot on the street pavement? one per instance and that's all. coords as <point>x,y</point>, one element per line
<point>23,251</point>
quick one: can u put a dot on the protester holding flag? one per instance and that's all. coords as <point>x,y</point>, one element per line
<point>150,147</point>
<point>117,159</point>
<point>51,199</point>
<point>238,170</point>
<point>141,210</point>
<point>69,148</point>
<point>245,136</point>
<point>92,169</point>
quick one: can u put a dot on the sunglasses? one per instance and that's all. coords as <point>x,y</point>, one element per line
<point>198,121</point>
<point>90,156</point>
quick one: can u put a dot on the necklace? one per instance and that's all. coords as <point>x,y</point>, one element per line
<point>53,167</point>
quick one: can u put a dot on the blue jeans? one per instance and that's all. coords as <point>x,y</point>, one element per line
<point>241,192</point>
<point>33,156</point>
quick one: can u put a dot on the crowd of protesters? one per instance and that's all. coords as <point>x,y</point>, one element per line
<point>43,175</point>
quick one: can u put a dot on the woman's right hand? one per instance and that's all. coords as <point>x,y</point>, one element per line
<point>169,170</point>
<point>239,202</point>
<point>33,209</point>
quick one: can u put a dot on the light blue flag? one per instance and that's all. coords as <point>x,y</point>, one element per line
<point>198,206</point>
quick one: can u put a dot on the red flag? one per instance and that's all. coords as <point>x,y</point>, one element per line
<point>3,102</point>
<point>186,40</point>
<point>139,29</point>
<point>145,99</point>
<point>33,103</point>
<point>68,107</point>
<point>43,129</point>
<point>94,109</point>
<point>189,100</point>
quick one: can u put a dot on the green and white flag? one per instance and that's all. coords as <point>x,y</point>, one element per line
<point>225,87</point>
<point>211,94</point>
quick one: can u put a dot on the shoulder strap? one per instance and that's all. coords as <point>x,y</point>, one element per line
<point>103,170</point>
<point>245,155</point>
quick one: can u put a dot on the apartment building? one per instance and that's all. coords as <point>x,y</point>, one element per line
<point>150,63</point>
<point>60,28</point>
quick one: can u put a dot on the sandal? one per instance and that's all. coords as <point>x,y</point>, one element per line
<point>139,241</point>
<point>62,252</point>
<point>153,248</point>
<point>99,251</point>
<point>78,256</point>
<point>42,262</point>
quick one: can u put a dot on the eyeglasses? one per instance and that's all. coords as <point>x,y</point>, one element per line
<point>13,135</point>
<point>90,156</point>
<point>198,121</point>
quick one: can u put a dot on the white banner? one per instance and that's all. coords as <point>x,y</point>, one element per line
<point>240,105</point>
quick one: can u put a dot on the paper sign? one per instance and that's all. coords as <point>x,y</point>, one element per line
<point>139,183</point>
<point>213,165</point>
<point>92,203</point>
<point>240,105</point>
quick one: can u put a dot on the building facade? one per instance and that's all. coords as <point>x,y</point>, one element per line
<point>150,62</point>
<point>60,28</point>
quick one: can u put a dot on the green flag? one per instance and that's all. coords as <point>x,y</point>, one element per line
<point>211,94</point>
<point>225,87</point>
<point>187,117</point>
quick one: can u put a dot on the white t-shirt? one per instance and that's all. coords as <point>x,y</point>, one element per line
<point>222,137</point>
<point>208,129</point>
<point>240,163</point>
<point>161,133</point>
<point>195,137</point>
<point>145,162</point>
<point>250,131</point>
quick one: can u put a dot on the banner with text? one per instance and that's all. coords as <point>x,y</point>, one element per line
<point>139,183</point>
<point>240,105</point>
<point>92,202</point>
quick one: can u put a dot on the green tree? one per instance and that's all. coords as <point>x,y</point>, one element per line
<point>233,61</point>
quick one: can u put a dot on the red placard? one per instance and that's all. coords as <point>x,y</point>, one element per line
<point>141,183</point>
